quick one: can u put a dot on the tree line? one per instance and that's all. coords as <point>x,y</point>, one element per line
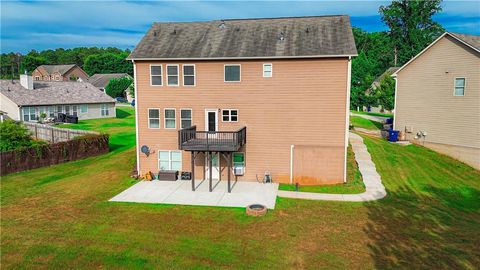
<point>92,60</point>
<point>411,29</point>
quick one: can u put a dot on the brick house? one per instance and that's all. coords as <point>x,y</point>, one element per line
<point>59,73</point>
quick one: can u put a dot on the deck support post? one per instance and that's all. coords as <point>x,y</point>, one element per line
<point>193,171</point>
<point>210,171</point>
<point>229,164</point>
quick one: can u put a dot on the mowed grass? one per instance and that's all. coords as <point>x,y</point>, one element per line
<point>59,217</point>
<point>373,113</point>
<point>353,185</point>
<point>360,122</point>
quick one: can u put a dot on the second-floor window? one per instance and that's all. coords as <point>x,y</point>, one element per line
<point>170,122</point>
<point>459,87</point>
<point>186,118</point>
<point>232,73</point>
<point>229,115</point>
<point>153,118</point>
<point>172,75</point>
<point>267,70</point>
<point>37,78</point>
<point>189,75</point>
<point>156,75</point>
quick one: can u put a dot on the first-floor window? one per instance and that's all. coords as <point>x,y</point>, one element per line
<point>238,160</point>
<point>170,119</point>
<point>229,115</point>
<point>51,111</point>
<point>153,118</point>
<point>170,160</point>
<point>74,110</point>
<point>186,118</point>
<point>67,110</point>
<point>84,108</point>
<point>60,109</point>
<point>459,87</point>
<point>29,114</point>
<point>104,110</point>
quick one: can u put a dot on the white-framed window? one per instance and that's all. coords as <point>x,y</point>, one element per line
<point>104,110</point>
<point>189,75</point>
<point>172,75</point>
<point>29,114</point>
<point>170,119</point>
<point>59,109</point>
<point>460,84</point>
<point>84,108</point>
<point>230,115</point>
<point>46,78</point>
<point>67,109</point>
<point>185,118</point>
<point>232,73</point>
<point>57,78</point>
<point>74,110</point>
<point>169,160</point>
<point>156,75</point>
<point>267,70</point>
<point>51,111</point>
<point>37,78</point>
<point>153,118</point>
<point>238,160</point>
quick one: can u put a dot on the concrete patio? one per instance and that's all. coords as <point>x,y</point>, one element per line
<point>180,192</point>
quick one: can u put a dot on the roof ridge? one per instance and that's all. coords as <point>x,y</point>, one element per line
<point>257,19</point>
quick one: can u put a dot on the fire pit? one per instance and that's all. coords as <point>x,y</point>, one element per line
<point>256,210</point>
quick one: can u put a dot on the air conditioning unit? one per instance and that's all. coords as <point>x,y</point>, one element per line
<point>238,170</point>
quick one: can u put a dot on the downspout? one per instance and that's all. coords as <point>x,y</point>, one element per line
<point>347,116</point>
<point>291,163</point>
<point>136,115</point>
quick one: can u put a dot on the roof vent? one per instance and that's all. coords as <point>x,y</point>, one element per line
<point>307,30</point>
<point>174,31</point>
<point>281,37</point>
<point>154,33</point>
<point>222,25</point>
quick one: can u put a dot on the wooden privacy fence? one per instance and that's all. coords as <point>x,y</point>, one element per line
<point>54,134</point>
<point>55,153</point>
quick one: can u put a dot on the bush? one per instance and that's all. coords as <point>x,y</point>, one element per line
<point>14,135</point>
<point>116,87</point>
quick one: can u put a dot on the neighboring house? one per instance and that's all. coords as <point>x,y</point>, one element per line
<point>438,97</point>
<point>266,96</point>
<point>26,99</point>
<point>101,81</point>
<point>59,73</point>
<point>375,84</point>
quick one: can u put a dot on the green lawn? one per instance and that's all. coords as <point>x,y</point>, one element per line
<point>373,113</point>
<point>59,217</point>
<point>353,185</point>
<point>360,122</point>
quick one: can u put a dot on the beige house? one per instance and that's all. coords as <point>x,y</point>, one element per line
<point>27,100</point>
<point>59,73</point>
<point>246,98</point>
<point>437,101</point>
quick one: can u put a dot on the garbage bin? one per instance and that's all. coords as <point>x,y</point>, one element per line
<point>389,121</point>
<point>393,135</point>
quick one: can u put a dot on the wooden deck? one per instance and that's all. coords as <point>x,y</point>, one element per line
<point>190,139</point>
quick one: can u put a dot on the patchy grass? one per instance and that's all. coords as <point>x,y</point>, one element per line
<point>353,185</point>
<point>374,114</point>
<point>59,217</point>
<point>360,122</point>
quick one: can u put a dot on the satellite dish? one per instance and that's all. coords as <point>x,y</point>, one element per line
<point>144,149</point>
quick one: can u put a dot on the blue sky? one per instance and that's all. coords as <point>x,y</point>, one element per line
<point>27,25</point>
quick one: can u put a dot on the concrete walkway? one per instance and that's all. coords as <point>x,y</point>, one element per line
<point>373,183</point>
<point>380,119</point>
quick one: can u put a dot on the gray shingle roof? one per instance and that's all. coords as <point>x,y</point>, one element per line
<point>101,80</point>
<point>51,93</point>
<point>293,37</point>
<point>471,40</point>
<point>62,69</point>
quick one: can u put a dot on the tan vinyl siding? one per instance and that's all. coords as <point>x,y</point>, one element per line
<point>303,104</point>
<point>425,98</point>
<point>9,107</point>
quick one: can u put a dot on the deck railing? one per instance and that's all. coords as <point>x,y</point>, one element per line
<point>193,140</point>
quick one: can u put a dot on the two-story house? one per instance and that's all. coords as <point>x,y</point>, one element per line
<point>245,98</point>
<point>59,73</point>
<point>437,97</point>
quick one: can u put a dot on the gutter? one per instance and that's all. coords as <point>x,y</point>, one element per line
<point>240,58</point>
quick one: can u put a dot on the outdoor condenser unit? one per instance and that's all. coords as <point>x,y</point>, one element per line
<point>238,170</point>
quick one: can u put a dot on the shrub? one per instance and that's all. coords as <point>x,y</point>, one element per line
<point>116,87</point>
<point>14,135</point>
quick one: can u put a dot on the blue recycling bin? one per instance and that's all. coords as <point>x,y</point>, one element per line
<point>393,135</point>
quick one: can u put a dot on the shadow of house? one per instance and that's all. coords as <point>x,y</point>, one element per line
<point>437,228</point>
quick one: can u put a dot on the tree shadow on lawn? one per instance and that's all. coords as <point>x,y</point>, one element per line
<point>122,113</point>
<point>435,229</point>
